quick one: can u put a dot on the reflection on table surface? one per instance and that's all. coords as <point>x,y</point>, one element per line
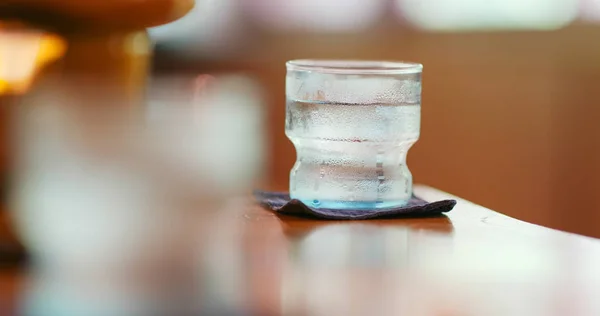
<point>242,260</point>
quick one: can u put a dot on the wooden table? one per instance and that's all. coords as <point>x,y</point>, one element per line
<point>246,261</point>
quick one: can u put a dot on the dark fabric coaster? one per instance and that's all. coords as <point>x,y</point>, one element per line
<point>280,202</point>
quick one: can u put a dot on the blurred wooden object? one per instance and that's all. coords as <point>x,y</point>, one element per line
<point>97,15</point>
<point>473,261</point>
<point>104,41</point>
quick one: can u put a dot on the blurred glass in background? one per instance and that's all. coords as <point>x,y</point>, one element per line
<point>128,170</point>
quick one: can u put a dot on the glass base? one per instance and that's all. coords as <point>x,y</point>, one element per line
<point>353,205</point>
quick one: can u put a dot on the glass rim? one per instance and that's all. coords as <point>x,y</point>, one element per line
<point>354,67</point>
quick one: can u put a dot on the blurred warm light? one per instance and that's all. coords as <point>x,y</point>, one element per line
<point>450,15</point>
<point>23,54</point>
<point>315,15</point>
<point>590,10</point>
<point>211,25</point>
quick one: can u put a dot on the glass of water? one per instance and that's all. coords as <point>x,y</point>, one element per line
<point>352,123</point>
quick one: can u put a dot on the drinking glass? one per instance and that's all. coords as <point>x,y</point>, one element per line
<point>352,124</point>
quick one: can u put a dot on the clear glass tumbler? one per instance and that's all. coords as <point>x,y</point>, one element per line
<point>352,123</point>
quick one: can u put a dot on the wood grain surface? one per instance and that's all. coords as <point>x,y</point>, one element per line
<point>473,261</point>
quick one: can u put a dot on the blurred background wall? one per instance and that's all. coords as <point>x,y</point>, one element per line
<point>511,88</point>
